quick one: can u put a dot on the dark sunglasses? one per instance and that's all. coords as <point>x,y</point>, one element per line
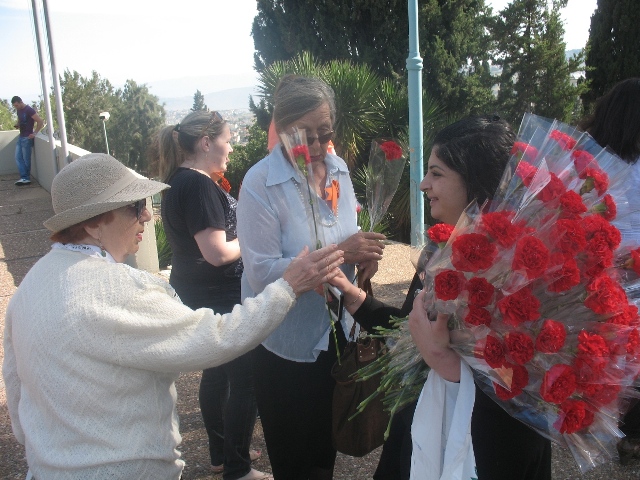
<point>139,207</point>
<point>326,138</point>
<point>215,117</point>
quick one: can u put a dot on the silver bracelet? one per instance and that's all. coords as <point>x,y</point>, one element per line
<point>357,298</point>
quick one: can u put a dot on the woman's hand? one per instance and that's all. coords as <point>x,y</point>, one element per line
<point>432,340</point>
<point>363,247</point>
<point>308,270</point>
<point>366,271</point>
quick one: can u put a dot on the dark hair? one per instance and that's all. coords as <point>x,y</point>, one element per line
<point>76,233</point>
<point>478,148</point>
<point>615,122</point>
<point>16,99</point>
<point>167,148</point>
<point>295,96</point>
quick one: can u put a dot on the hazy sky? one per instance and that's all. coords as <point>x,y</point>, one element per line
<point>149,41</point>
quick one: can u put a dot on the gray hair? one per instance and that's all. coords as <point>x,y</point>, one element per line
<point>295,96</point>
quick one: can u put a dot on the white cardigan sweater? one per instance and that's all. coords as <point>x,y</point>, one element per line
<point>92,350</point>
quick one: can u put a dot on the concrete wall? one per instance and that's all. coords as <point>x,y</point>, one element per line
<point>8,141</point>
<point>46,162</point>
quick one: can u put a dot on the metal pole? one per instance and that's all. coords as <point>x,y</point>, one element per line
<point>56,86</point>
<point>104,125</point>
<point>414,67</point>
<point>45,84</point>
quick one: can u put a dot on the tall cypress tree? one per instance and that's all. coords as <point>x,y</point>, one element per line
<point>613,49</point>
<point>454,42</point>
<point>198,102</point>
<point>535,73</point>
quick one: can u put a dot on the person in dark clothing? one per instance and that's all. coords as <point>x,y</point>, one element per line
<point>615,123</point>
<point>199,218</point>
<point>466,163</point>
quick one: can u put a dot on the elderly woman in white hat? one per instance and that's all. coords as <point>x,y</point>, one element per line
<point>93,346</point>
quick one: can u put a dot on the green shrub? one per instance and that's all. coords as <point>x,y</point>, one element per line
<point>164,249</point>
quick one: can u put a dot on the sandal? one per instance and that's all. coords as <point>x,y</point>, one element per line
<point>253,456</point>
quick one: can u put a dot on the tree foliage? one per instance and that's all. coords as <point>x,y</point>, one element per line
<point>7,120</point>
<point>613,48</point>
<point>535,73</point>
<point>198,102</point>
<point>453,41</point>
<point>245,156</point>
<point>135,116</point>
<point>363,31</point>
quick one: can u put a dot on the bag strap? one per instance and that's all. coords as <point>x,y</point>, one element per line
<point>366,286</point>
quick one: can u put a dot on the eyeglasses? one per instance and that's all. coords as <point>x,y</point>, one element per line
<point>215,117</point>
<point>139,207</point>
<point>326,138</point>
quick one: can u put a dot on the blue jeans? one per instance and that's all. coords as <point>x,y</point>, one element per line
<point>23,156</point>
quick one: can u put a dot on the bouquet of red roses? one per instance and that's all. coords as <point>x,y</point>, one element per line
<point>382,176</point>
<point>543,292</point>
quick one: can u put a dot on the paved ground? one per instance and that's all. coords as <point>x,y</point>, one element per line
<point>23,240</point>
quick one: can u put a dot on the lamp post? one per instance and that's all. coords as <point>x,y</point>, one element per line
<point>105,116</point>
<point>414,66</point>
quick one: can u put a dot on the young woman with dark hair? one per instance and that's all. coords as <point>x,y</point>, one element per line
<point>466,163</point>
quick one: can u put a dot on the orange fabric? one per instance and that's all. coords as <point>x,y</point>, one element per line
<point>332,195</point>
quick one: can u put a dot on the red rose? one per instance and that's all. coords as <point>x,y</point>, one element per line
<point>552,190</point>
<point>605,295</point>
<point>477,316</point>
<point>558,383</point>
<point>519,346</point>
<point>594,224</point>
<point>526,172</point>
<point>571,205</point>
<point>571,236</point>
<point>581,159</point>
<point>449,284</point>
<point>522,306</point>
<point>551,337</point>
<point>575,416</point>
<point>633,342</point>
<point>524,149</point>
<point>301,154</point>
<point>565,141</point>
<point>599,393</point>
<point>392,150</point>
<point>594,178</point>
<point>491,350</point>
<point>628,316</point>
<point>498,226</point>
<point>635,257</point>
<point>440,233</point>
<point>480,291</point>
<point>564,279</point>
<point>532,256</point>
<point>472,252</point>
<point>519,380</point>
<point>592,344</point>
<point>607,208</point>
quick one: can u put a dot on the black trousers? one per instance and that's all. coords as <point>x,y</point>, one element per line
<point>294,401</point>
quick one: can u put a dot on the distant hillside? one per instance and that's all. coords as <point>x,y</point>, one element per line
<point>231,99</point>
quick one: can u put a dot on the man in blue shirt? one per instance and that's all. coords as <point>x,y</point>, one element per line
<point>27,117</point>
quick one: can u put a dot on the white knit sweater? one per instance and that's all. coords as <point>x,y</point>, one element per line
<point>92,350</point>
